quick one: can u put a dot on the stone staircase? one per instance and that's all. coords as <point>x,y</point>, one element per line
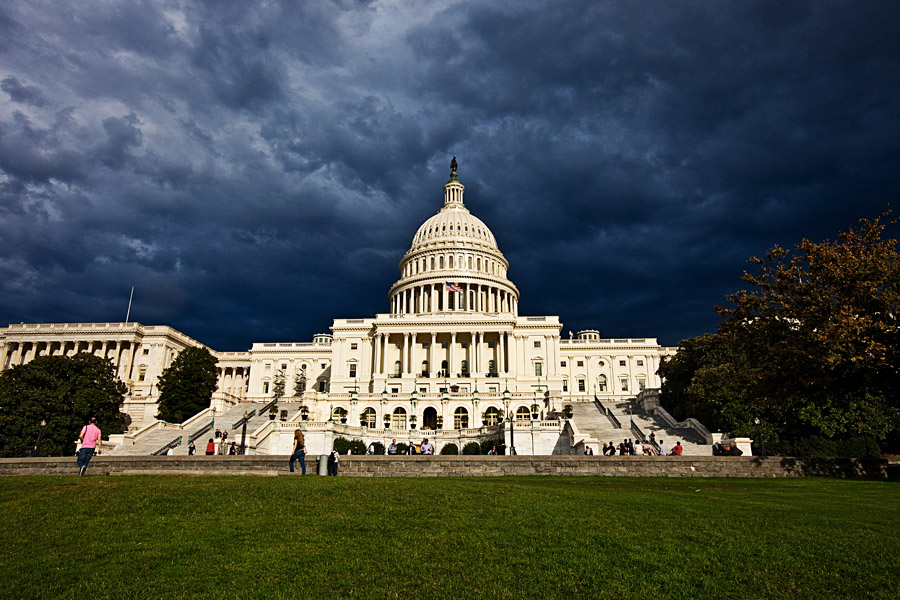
<point>592,423</point>
<point>152,441</point>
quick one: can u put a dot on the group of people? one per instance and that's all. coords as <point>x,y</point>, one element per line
<point>649,447</point>
<point>217,445</point>
<point>424,448</point>
<point>720,449</point>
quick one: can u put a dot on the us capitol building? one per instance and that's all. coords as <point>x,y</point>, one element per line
<point>452,360</point>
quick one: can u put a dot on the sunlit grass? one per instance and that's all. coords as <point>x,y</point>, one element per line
<point>434,538</point>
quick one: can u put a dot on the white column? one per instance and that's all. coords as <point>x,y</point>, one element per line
<point>501,368</point>
<point>404,367</point>
<point>376,366</point>
<point>450,363</point>
<point>432,371</point>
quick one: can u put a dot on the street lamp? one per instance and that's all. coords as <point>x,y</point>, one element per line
<point>762,444</point>
<point>864,429</point>
<point>244,433</point>
<point>37,444</point>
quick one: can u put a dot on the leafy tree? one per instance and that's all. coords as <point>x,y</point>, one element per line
<point>472,448</point>
<point>450,449</point>
<point>63,391</point>
<point>187,385</point>
<point>810,348</point>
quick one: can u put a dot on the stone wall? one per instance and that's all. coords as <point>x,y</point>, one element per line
<point>446,466</point>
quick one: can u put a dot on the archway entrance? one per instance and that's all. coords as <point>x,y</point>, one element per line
<point>429,418</point>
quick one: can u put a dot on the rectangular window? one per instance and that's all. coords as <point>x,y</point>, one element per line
<point>580,363</point>
<point>464,344</point>
<point>581,385</point>
<point>352,369</point>
<point>621,363</point>
<point>283,366</point>
<point>353,346</point>
<point>395,390</point>
<point>146,351</point>
<point>142,373</point>
<point>640,363</point>
<point>624,382</point>
<point>444,345</point>
<point>265,387</point>
<point>565,385</point>
<point>490,344</point>
<point>268,366</point>
<point>538,371</point>
<point>537,343</point>
<point>562,363</point>
<point>641,385</point>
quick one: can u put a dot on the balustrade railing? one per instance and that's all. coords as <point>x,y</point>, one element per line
<point>164,449</point>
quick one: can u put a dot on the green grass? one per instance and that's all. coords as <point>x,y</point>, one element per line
<point>431,539</point>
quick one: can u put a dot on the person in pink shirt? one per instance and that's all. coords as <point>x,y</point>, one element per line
<point>90,443</point>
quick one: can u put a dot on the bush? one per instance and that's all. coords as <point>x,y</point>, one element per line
<point>472,448</point>
<point>342,444</point>
<point>402,448</point>
<point>486,445</point>
<point>853,448</point>
<point>451,449</point>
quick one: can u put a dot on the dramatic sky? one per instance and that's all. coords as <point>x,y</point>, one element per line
<point>256,169</point>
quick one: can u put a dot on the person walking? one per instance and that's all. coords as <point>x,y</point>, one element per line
<point>192,449</point>
<point>298,452</point>
<point>90,442</point>
<point>210,447</point>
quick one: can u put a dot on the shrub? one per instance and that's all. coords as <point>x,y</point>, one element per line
<point>451,449</point>
<point>472,448</point>
<point>342,444</point>
<point>486,445</point>
<point>401,448</point>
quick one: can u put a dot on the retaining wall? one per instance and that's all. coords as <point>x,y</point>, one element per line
<point>461,466</point>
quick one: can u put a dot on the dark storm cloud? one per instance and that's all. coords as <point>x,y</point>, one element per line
<point>258,169</point>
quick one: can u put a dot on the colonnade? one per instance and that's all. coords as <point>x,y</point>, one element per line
<point>434,297</point>
<point>473,347</point>
<point>234,380</point>
<point>122,353</point>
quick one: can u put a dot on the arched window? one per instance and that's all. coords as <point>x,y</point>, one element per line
<point>367,419</point>
<point>338,413</point>
<point>464,368</point>
<point>424,368</point>
<point>460,418</point>
<point>432,263</point>
<point>523,414</point>
<point>601,383</point>
<point>470,263</point>
<point>441,261</point>
<point>398,418</point>
<point>478,264</point>
<point>491,416</point>
<point>492,368</point>
<point>443,372</point>
<point>397,369</point>
<point>450,262</point>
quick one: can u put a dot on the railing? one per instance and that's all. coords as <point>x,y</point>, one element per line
<point>612,418</point>
<point>200,432</point>
<point>240,421</point>
<point>636,431</point>
<point>267,406</point>
<point>164,449</point>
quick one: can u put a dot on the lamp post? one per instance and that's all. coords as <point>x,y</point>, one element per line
<point>762,444</point>
<point>37,444</point>
<point>212,424</point>
<point>244,433</point>
<point>864,429</point>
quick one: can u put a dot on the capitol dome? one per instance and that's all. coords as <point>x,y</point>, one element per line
<point>453,251</point>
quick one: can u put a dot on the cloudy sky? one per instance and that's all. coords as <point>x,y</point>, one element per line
<point>256,169</point>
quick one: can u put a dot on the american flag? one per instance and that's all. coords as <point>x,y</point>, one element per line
<point>452,287</point>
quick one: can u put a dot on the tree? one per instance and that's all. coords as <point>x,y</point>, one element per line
<point>811,348</point>
<point>63,391</point>
<point>187,385</point>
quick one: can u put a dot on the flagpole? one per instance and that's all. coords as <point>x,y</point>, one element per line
<point>128,314</point>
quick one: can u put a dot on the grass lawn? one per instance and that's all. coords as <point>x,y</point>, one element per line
<point>431,539</point>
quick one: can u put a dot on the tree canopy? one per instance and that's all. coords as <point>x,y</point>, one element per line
<point>810,348</point>
<point>63,391</point>
<point>187,385</point>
